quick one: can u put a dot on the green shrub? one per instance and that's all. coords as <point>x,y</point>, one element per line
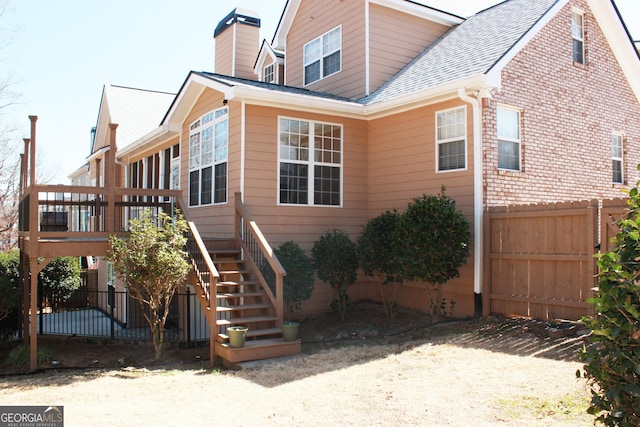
<point>612,362</point>
<point>9,292</point>
<point>435,238</point>
<point>61,277</point>
<point>335,257</point>
<point>20,358</point>
<point>298,283</point>
<point>379,251</point>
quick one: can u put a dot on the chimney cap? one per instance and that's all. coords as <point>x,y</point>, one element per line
<point>238,15</point>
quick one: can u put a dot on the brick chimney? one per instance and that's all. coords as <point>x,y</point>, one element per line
<point>237,43</point>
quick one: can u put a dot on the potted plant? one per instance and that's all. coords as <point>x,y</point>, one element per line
<point>297,284</point>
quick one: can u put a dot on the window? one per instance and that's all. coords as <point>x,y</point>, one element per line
<point>208,149</point>
<point>508,139</point>
<point>322,56</point>
<point>617,149</point>
<point>577,32</point>
<point>451,139</point>
<point>269,74</point>
<point>310,166</point>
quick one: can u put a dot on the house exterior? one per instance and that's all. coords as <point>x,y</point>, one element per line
<point>357,107</point>
<point>545,93</point>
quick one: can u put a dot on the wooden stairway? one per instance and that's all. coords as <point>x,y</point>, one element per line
<point>240,300</point>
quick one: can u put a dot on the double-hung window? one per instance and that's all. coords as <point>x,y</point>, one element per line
<point>508,138</point>
<point>617,150</point>
<point>208,151</point>
<point>269,75</point>
<point>322,56</point>
<point>451,139</point>
<point>577,33</point>
<point>310,163</point>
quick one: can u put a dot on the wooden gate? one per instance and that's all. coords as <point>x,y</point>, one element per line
<point>539,259</point>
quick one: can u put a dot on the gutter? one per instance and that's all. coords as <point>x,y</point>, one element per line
<point>478,192</point>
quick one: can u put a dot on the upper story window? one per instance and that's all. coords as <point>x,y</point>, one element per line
<point>451,139</point>
<point>617,150</point>
<point>322,56</point>
<point>509,142</point>
<point>310,163</point>
<point>269,74</point>
<point>208,151</point>
<point>577,32</point>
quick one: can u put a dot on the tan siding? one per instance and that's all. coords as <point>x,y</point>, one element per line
<point>247,48</point>
<point>395,39</point>
<point>224,52</point>
<point>325,16</point>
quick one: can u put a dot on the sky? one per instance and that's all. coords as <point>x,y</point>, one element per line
<point>59,54</point>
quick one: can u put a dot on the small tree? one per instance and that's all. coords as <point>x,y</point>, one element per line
<point>153,263</point>
<point>436,237</point>
<point>612,363</point>
<point>379,251</point>
<point>298,283</point>
<point>336,260</point>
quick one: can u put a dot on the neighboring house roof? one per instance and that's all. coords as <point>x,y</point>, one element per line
<point>136,112</point>
<point>471,48</point>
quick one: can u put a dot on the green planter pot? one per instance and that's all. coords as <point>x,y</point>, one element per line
<point>290,330</point>
<point>237,335</point>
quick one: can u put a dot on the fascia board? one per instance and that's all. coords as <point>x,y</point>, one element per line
<point>154,138</point>
<point>290,11</point>
<point>268,98</point>
<point>619,41</point>
<point>429,96</point>
<point>496,69</point>
<point>419,11</point>
<point>189,94</point>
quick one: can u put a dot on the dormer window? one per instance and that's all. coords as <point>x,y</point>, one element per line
<point>322,56</point>
<point>269,75</point>
<point>577,32</point>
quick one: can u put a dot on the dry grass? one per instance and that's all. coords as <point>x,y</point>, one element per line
<point>499,373</point>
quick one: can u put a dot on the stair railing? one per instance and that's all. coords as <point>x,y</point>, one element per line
<point>260,256</point>
<point>202,263</point>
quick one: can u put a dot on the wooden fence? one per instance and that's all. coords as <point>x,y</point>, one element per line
<point>540,259</point>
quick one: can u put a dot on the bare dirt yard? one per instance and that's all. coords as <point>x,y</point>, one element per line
<point>367,371</point>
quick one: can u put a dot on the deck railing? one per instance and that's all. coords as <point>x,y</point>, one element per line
<point>260,254</point>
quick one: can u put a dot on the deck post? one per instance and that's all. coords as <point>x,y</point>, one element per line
<point>110,179</point>
<point>32,151</point>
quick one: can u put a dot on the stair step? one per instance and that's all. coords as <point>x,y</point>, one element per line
<point>234,283</point>
<point>257,350</point>
<point>224,252</point>
<point>255,333</point>
<point>228,261</point>
<point>245,320</point>
<point>235,271</point>
<point>242,307</point>
<point>231,295</point>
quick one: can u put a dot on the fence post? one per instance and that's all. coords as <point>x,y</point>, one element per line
<point>112,291</point>
<point>188,315</point>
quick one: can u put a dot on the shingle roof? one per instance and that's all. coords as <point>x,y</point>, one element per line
<point>237,81</point>
<point>470,48</point>
<point>136,111</point>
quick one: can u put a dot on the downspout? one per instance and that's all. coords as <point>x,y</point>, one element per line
<point>478,194</point>
<point>243,125</point>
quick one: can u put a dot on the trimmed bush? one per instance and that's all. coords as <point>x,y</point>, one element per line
<point>298,283</point>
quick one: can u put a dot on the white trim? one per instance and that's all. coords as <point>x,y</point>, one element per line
<point>311,162</point>
<point>618,159</point>
<point>518,141</point>
<point>367,47</point>
<point>243,147</point>
<point>421,11</point>
<point>450,140</point>
<point>322,57</point>
<point>478,190</point>
<point>233,51</point>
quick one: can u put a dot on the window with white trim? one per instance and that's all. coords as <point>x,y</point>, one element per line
<point>208,151</point>
<point>310,163</point>
<point>269,74</point>
<point>617,150</point>
<point>509,143</point>
<point>577,33</point>
<point>322,56</point>
<point>451,139</point>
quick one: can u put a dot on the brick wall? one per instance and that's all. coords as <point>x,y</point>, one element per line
<point>569,112</point>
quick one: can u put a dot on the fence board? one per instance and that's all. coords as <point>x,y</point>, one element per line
<point>540,259</point>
